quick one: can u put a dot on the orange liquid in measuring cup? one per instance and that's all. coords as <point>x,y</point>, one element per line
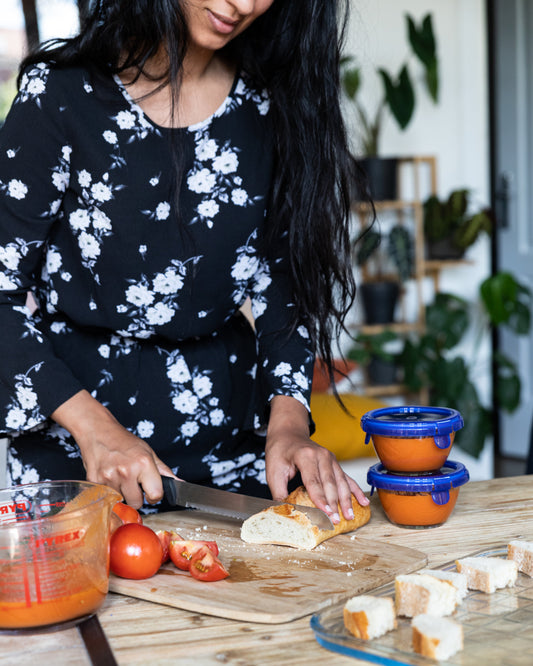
<point>18,615</point>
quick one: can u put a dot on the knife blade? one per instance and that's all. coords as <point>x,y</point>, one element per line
<point>226,503</point>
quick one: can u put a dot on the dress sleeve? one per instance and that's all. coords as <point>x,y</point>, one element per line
<point>285,354</point>
<point>34,173</point>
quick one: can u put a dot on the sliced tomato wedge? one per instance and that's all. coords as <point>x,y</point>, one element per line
<point>181,551</point>
<point>206,566</point>
<point>165,536</point>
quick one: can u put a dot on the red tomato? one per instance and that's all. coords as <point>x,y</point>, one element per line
<point>135,551</point>
<point>182,551</point>
<point>165,536</point>
<point>127,513</point>
<point>206,566</point>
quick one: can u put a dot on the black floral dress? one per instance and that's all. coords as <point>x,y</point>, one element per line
<point>136,304</point>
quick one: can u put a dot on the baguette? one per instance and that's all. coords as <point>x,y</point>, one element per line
<point>488,574</point>
<point>285,525</point>
<point>522,553</point>
<point>369,617</point>
<point>436,637</point>
<point>418,594</point>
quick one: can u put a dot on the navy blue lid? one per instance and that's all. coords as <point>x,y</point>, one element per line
<point>451,475</point>
<point>411,421</point>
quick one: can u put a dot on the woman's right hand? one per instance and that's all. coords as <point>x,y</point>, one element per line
<point>111,454</point>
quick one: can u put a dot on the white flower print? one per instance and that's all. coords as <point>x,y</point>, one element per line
<point>66,152</point>
<point>53,261</point>
<point>6,283</point>
<point>282,369</point>
<point>208,208</point>
<point>216,416</point>
<point>144,429</point>
<point>159,314</point>
<point>90,249</point>
<point>191,394</point>
<point>301,380</point>
<point>178,371</point>
<point>100,221</point>
<point>239,197</point>
<point>110,136</point>
<point>11,153</point>
<point>101,192</point>
<point>79,219</point>
<point>23,409</point>
<point>84,178</point>
<point>302,330</point>
<point>104,351</point>
<point>202,386</point>
<point>185,402</point>
<point>125,120</point>
<point>168,282</point>
<point>33,84</point>
<point>17,189</point>
<point>139,294</point>
<point>245,266</point>
<point>27,398</point>
<point>202,181</point>
<point>15,419</point>
<point>226,162</point>
<point>60,180</point>
<point>206,149</point>
<point>162,211</point>
<point>10,256</point>
<point>154,302</point>
<point>189,429</point>
<point>154,181</point>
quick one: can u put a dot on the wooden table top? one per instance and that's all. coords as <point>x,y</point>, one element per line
<point>487,514</point>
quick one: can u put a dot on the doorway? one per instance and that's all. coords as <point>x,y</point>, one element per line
<point>511,67</point>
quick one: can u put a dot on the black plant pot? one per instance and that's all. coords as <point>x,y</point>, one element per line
<point>382,177</point>
<point>381,372</point>
<point>379,301</point>
<point>443,249</point>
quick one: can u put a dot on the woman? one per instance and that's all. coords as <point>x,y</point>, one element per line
<point>174,159</point>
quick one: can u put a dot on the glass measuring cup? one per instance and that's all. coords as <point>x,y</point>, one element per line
<point>54,552</point>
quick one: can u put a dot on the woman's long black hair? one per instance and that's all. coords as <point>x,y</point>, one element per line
<point>292,50</point>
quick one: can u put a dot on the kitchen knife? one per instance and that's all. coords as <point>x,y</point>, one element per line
<point>225,503</point>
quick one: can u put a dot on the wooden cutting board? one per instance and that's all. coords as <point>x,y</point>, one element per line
<point>269,584</point>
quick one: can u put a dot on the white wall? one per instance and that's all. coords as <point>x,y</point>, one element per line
<point>456,130</point>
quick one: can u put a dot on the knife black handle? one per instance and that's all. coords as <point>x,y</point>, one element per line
<point>169,489</point>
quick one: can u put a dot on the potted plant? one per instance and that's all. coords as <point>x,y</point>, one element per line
<point>385,266</point>
<point>398,98</point>
<point>373,353</point>
<point>429,360</point>
<point>450,227</point>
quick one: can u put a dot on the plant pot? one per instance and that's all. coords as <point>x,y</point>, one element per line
<point>379,301</point>
<point>382,177</point>
<point>381,372</point>
<point>443,249</point>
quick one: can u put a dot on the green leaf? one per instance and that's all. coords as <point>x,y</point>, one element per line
<point>367,245</point>
<point>401,249</point>
<point>423,43</point>
<point>500,294</point>
<point>400,96</point>
<point>351,81</point>
<point>447,319</point>
<point>508,384</point>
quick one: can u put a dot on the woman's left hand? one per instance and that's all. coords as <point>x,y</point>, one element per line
<point>289,450</point>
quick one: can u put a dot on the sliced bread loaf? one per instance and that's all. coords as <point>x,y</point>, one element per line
<point>458,580</point>
<point>368,617</point>
<point>522,553</point>
<point>488,574</point>
<point>285,525</point>
<point>417,594</point>
<point>436,637</point>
